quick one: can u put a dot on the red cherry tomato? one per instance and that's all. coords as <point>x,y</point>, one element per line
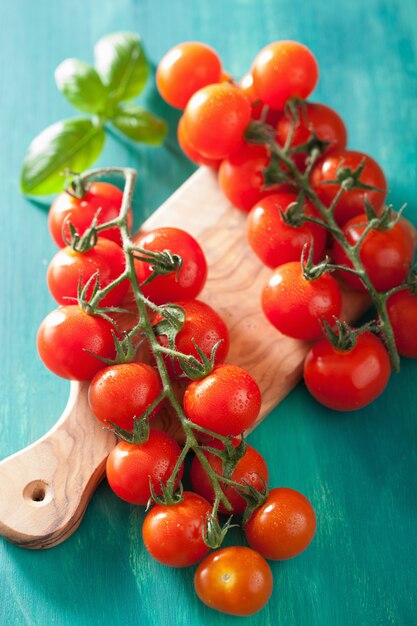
<point>67,336</point>
<point>346,380</point>
<point>68,268</point>
<point>276,242</point>
<point>296,306</point>
<point>352,202</point>
<point>188,149</point>
<point>259,110</point>
<point>235,580</point>
<point>185,284</point>
<point>185,69</point>
<point>215,119</point>
<point>121,392</point>
<point>283,527</point>
<point>251,469</point>
<point>101,199</point>
<point>385,254</point>
<point>402,312</point>
<point>324,121</point>
<point>282,70</point>
<point>130,467</point>
<point>173,535</point>
<point>241,177</point>
<point>227,401</point>
<point>204,326</point>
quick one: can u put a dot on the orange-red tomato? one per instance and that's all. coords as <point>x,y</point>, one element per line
<point>235,580</point>
<point>191,152</point>
<point>283,526</point>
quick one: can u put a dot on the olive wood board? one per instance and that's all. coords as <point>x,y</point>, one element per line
<point>45,488</point>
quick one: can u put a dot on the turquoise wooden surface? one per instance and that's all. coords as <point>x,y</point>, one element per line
<point>358,469</point>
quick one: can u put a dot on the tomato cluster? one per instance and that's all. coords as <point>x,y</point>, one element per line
<point>171,356</point>
<point>314,207</point>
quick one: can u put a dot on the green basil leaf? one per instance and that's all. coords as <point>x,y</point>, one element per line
<point>140,125</point>
<point>122,65</point>
<point>81,85</point>
<point>74,144</point>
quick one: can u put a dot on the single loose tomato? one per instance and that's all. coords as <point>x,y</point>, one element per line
<point>297,306</point>
<point>241,176</point>
<point>402,312</point>
<point>67,336</point>
<point>346,380</point>
<point>185,69</point>
<point>352,202</point>
<point>121,392</point>
<point>204,327</point>
<point>227,401</point>
<point>188,149</point>
<point>282,70</point>
<point>283,527</point>
<point>215,119</point>
<point>235,580</point>
<point>317,118</point>
<point>386,254</point>
<point>276,242</point>
<point>103,200</point>
<point>131,467</point>
<point>251,469</point>
<point>69,268</point>
<point>185,284</point>
<point>173,535</point>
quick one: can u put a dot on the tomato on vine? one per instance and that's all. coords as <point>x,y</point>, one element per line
<point>174,534</point>
<point>101,200</point>
<point>402,313</point>
<point>131,467</point>
<point>191,152</point>
<point>70,269</point>
<point>70,341</point>
<point>235,580</point>
<point>227,401</point>
<point>119,393</point>
<point>297,306</point>
<point>347,379</point>
<point>283,527</point>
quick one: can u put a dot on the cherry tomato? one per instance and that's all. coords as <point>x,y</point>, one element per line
<point>276,242</point>
<point>185,284</point>
<point>296,306</point>
<point>68,268</point>
<point>241,176</point>
<point>204,326</point>
<point>385,254</point>
<point>215,119</point>
<point>185,69</point>
<point>65,339</point>
<point>283,526</point>
<point>101,199</point>
<point>402,312</point>
<point>282,70</point>
<point>345,380</point>
<point>324,121</point>
<point>235,580</point>
<point>121,392</point>
<point>352,202</point>
<point>259,110</point>
<point>173,535</point>
<point>227,401</point>
<point>188,149</point>
<point>130,467</point>
<point>251,469</point>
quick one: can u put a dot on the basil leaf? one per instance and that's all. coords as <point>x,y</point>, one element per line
<point>81,85</point>
<point>74,144</point>
<point>140,125</point>
<point>122,65</point>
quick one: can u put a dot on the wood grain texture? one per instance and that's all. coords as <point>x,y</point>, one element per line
<point>358,469</point>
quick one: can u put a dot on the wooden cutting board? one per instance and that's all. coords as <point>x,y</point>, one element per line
<point>45,488</point>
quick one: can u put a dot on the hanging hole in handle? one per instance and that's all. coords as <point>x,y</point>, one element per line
<point>37,493</point>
